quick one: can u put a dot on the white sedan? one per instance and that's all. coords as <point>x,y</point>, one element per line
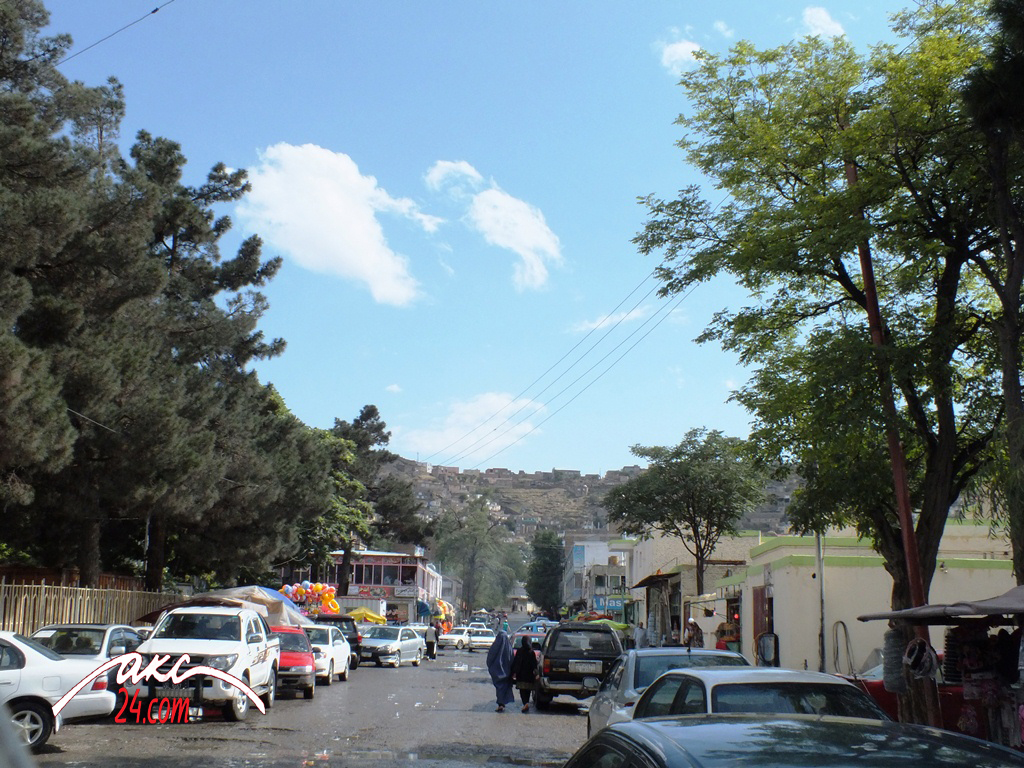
<point>458,636</point>
<point>33,678</point>
<point>331,652</point>
<point>481,638</point>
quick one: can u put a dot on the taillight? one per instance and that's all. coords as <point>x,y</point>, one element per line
<point>359,639</point>
<point>547,667</point>
<point>99,684</point>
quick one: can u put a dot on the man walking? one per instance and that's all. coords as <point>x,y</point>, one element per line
<point>430,637</point>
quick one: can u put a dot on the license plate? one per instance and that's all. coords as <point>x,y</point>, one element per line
<point>175,692</point>
<point>585,666</point>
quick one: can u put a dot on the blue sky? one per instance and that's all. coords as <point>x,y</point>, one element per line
<point>453,189</point>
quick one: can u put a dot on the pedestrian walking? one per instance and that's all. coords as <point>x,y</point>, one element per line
<point>694,635</point>
<point>639,636</point>
<point>524,671</point>
<point>430,638</point>
<point>499,666</point>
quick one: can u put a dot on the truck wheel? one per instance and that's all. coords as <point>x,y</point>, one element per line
<point>237,708</point>
<point>32,722</point>
<point>543,700</point>
<point>308,693</point>
<point>271,693</point>
<point>330,674</point>
<point>354,661</point>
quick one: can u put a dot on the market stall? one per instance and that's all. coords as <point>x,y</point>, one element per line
<point>979,670</point>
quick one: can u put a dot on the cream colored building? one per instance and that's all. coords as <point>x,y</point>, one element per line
<point>773,584</point>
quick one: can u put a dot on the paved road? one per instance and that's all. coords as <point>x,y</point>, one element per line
<point>441,713</point>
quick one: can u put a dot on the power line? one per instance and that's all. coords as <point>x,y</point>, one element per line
<point>551,368</point>
<point>597,378</point>
<point>115,32</point>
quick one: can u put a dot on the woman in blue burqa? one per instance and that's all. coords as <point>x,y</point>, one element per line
<point>499,665</point>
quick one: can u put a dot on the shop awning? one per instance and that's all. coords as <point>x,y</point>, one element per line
<point>1011,602</point>
<point>654,578</point>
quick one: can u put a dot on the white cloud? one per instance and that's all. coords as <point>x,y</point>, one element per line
<point>723,29</point>
<point>619,317</point>
<point>393,388</point>
<point>503,220</point>
<point>468,434</point>
<point>677,56</point>
<point>511,223</point>
<point>315,206</point>
<point>818,22</point>
<point>448,171</point>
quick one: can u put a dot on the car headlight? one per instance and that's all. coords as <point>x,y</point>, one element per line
<point>389,650</point>
<point>302,670</point>
<point>222,662</point>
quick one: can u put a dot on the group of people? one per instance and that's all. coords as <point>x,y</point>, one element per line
<point>693,636</point>
<point>512,668</point>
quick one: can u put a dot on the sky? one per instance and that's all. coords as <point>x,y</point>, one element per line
<point>453,189</point>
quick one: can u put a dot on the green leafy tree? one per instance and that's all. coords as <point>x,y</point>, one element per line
<point>544,579</point>
<point>695,492</point>
<point>830,159</point>
<point>395,505</point>
<point>994,97</point>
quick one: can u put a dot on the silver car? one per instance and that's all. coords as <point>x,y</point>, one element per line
<point>392,645</point>
<point>638,668</point>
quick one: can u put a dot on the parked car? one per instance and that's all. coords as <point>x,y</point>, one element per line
<point>236,640</point>
<point>350,629</point>
<point>94,642</point>
<point>392,645</point>
<point>458,636</point>
<point>639,667</point>
<point>575,658</point>
<point>791,741</point>
<point>749,690</point>
<point>538,626</point>
<point>478,625</point>
<point>481,639</point>
<point>33,678</point>
<point>298,668</point>
<point>331,652</point>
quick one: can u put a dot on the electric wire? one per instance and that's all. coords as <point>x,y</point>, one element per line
<point>551,368</point>
<point>463,452</point>
<point>591,383</point>
<point>541,406</point>
<point>115,32</point>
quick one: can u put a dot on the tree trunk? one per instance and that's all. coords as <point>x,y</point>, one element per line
<point>346,569</point>
<point>89,554</point>
<point>156,550</point>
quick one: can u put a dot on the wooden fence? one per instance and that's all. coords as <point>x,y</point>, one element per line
<point>25,608</point>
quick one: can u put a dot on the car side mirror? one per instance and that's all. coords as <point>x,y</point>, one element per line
<point>255,637</point>
<point>118,650</point>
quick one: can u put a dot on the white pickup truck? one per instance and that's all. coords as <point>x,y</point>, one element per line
<point>235,640</point>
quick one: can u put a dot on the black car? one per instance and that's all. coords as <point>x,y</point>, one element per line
<point>574,659</point>
<point>790,741</point>
<point>348,628</point>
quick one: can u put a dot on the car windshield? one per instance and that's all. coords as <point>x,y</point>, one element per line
<point>650,668</point>
<point>199,626</point>
<point>794,698</point>
<point>294,641</point>
<point>318,635</point>
<point>382,633</point>
<point>71,641</point>
<point>585,640</point>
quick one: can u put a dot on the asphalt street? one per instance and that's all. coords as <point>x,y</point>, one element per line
<point>439,713</point>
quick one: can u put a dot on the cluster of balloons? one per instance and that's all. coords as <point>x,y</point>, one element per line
<point>319,597</point>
